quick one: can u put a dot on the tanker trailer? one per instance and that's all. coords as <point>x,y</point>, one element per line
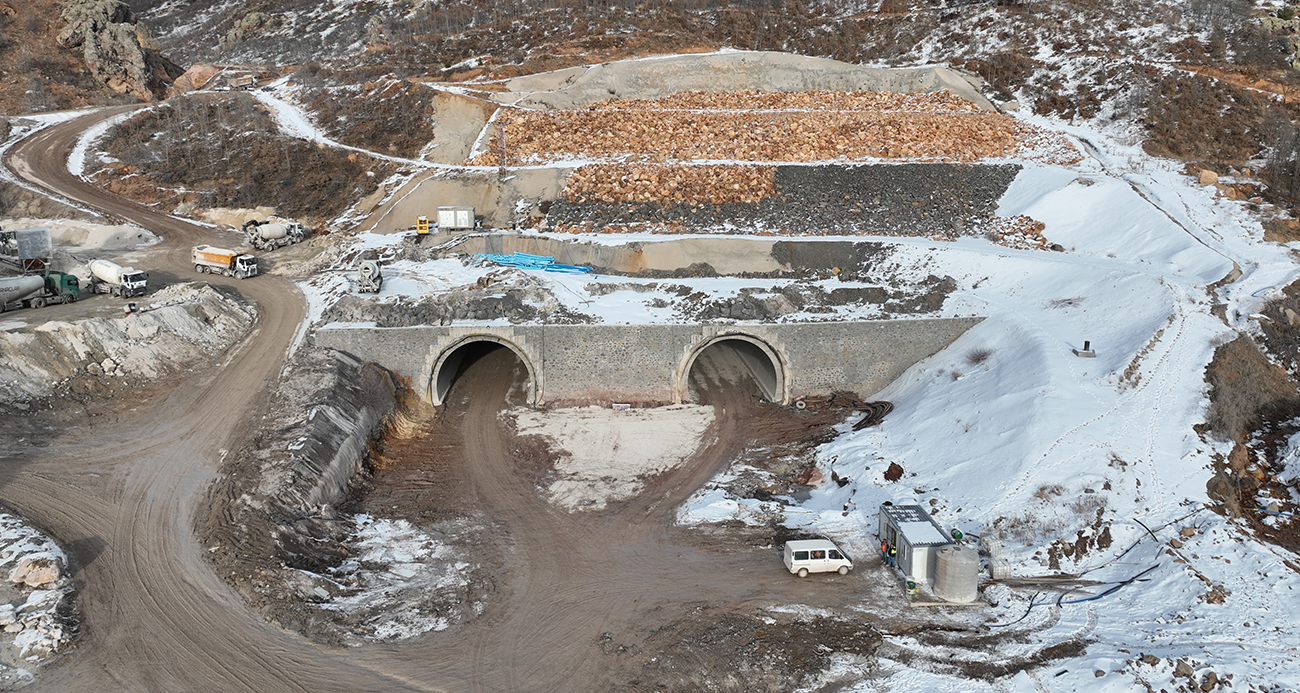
<point>37,292</point>
<point>15,290</point>
<point>108,277</point>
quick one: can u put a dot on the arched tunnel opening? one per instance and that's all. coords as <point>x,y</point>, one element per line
<point>736,366</point>
<point>473,364</point>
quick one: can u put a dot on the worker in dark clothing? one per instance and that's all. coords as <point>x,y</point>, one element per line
<point>893,554</point>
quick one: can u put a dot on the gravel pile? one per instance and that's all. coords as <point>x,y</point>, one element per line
<point>755,127</point>
<point>177,326</point>
<point>933,200</point>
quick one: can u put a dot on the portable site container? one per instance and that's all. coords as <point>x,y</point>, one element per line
<point>916,536</point>
<point>455,218</point>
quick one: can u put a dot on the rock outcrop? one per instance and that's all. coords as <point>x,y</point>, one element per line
<point>118,50</point>
<point>37,571</point>
<point>196,77</point>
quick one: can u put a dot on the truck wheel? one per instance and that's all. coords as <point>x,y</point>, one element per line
<point>198,268</point>
<point>803,572</point>
<point>844,570</point>
<point>38,303</point>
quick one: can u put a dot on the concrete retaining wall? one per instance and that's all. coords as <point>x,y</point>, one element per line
<point>651,363</point>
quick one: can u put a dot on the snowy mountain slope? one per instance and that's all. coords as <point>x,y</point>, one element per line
<point>1008,434</point>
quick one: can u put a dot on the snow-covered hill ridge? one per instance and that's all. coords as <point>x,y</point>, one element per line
<point>1008,434</point>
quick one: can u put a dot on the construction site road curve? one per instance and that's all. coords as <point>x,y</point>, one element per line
<point>122,497</point>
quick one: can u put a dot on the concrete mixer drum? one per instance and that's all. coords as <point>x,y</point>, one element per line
<point>369,278</point>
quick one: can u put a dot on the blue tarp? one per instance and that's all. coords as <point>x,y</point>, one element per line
<point>535,262</point>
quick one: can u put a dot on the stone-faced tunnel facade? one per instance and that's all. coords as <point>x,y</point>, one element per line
<point>650,364</point>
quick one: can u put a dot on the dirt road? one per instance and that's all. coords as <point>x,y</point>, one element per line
<point>122,499</point>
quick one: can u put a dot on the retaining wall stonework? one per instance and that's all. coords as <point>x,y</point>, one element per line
<point>649,363</point>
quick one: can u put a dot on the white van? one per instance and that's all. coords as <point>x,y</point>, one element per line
<point>816,556</point>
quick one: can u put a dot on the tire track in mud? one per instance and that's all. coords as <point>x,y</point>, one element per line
<point>155,617</point>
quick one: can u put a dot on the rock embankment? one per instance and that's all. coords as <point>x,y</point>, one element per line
<point>932,200</point>
<point>117,48</point>
<point>180,325</point>
<point>275,519</point>
<point>37,614</point>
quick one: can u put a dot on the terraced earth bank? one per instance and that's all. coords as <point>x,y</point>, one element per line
<point>936,200</point>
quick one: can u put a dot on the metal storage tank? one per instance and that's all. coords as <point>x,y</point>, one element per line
<point>956,572</point>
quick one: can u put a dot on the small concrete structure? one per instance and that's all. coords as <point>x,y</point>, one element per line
<point>917,537</point>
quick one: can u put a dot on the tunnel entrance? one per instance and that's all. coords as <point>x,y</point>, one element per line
<point>734,362</point>
<point>484,352</point>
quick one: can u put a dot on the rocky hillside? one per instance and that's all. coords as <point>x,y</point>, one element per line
<point>67,54</point>
<point>1207,82</point>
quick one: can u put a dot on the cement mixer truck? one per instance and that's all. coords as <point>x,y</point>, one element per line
<point>269,235</point>
<point>210,260</point>
<point>38,291</point>
<point>111,278</point>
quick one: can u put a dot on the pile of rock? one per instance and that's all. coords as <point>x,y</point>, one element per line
<point>943,201</point>
<point>35,601</point>
<point>689,184</point>
<point>183,324</point>
<point>1021,232</point>
<point>743,127</point>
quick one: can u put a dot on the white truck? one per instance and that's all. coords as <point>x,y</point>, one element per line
<point>269,235</point>
<point>107,277</point>
<point>212,260</point>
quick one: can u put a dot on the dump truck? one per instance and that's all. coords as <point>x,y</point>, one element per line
<point>38,291</point>
<point>212,260</point>
<point>269,235</point>
<point>107,277</point>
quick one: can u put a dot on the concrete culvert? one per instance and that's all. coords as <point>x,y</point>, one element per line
<point>735,363</point>
<point>485,352</point>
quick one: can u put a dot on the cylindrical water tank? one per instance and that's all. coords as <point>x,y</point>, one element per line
<point>956,573</point>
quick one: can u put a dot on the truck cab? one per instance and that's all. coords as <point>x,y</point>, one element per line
<point>134,284</point>
<point>65,287</point>
<point>245,266</point>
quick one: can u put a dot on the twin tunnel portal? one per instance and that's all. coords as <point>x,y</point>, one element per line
<point>735,358</point>
<point>655,364</point>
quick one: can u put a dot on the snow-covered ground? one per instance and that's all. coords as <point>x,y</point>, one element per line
<point>607,455</point>
<point>1008,433</point>
<point>401,582</point>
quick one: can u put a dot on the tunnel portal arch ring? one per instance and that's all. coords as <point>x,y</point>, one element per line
<point>436,394</point>
<point>781,389</point>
